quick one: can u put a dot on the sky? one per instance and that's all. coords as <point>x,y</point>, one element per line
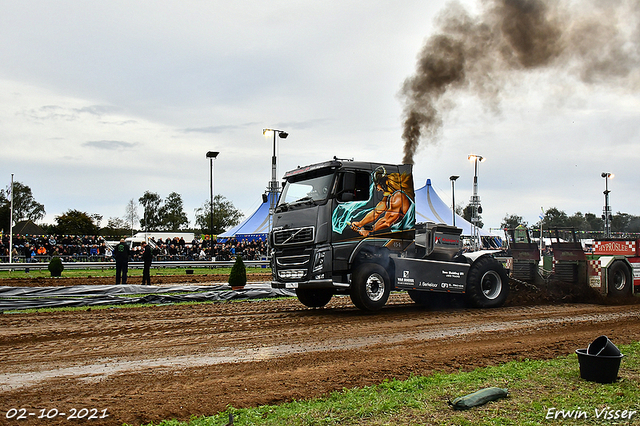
<point>102,101</point>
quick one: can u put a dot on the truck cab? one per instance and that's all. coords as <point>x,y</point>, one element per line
<point>343,227</point>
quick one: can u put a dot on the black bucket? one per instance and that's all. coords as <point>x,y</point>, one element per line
<point>600,362</point>
<point>603,346</point>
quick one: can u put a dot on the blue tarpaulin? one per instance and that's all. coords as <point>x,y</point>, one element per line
<point>18,298</point>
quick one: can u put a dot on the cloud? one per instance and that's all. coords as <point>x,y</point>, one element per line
<point>303,125</point>
<point>110,145</point>
<point>289,125</point>
<point>98,110</point>
<point>59,112</point>
<point>219,129</point>
<point>51,112</point>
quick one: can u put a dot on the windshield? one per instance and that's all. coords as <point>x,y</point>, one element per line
<point>307,189</point>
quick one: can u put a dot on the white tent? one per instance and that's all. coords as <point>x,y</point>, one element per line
<point>431,208</point>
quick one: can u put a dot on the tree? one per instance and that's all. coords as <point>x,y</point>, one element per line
<point>116,226</point>
<point>512,222</point>
<point>97,219</point>
<point>620,222</point>
<point>594,223</point>
<point>5,212</point>
<point>238,275</point>
<point>75,222</point>
<point>225,215</point>
<point>634,224</point>
<point>151,203</point>
<point>577,221</point>
<point>172,215</point>
<point>467,214</point>
<point>131,214</point>
<point>25,207</point>
<point>554,218</point>
<point>55,266</point>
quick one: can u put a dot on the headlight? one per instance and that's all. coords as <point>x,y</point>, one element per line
<point>292,274</point>
<point>318,262</point>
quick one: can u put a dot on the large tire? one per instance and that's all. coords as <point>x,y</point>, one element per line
<point>619,280</point>
<point>370,287</point>
<point>314,297</point>
<point>487,283</point>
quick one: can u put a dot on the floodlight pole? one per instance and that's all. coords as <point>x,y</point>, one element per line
<point>274,186</point>
<point>211,155</point>
<point>11,224</point>
<point>453,197</point>
<point>607,207</point>
<point>475,201</point>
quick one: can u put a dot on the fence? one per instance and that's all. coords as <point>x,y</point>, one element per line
<point>187,264</point>
<point>109,259</point>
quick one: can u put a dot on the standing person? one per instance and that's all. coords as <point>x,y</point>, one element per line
<point>121,253</point>
<point>147,256</point>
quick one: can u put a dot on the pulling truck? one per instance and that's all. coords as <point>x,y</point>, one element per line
<point>613,267</point>
<point>525,254</point>
<point>346,227</point>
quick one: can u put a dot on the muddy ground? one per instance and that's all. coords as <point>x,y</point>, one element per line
<point>163,362</point>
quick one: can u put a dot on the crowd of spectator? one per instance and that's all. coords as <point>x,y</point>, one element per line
<point>32,248</point>
<point>98,249</point>
<point>179,249</point>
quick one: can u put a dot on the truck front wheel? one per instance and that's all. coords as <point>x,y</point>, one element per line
<point>487,283</point>
<point>314,297</point>
<point>619,280</point>
<point>370,287</point>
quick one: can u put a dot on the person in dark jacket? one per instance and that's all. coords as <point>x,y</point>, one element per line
<point>147,257</point>
<point>121,253</point>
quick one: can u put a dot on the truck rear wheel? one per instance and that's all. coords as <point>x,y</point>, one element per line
<point>619,280</point>
<point>314,297</point>
<point>370,287</point>
<point>487,283</point>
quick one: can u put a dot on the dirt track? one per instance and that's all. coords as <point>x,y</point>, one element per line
<point>148,364</point>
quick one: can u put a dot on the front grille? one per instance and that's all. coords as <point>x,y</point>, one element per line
<point>289,261</point>
<point>293,236</point>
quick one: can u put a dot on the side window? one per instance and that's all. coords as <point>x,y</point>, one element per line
<point>363,185</point>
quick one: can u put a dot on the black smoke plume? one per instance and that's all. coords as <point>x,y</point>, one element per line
<point>596,41</point>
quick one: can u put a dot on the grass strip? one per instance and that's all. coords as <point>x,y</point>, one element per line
<point>540,392</point>
<point>111,272</point>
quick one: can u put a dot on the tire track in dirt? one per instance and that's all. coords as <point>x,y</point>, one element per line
<point>233,354</point>
<point>147,364</point>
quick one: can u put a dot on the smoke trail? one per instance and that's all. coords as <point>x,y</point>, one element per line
<point>599,42</point>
